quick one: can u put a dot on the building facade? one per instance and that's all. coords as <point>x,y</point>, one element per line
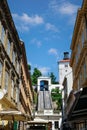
<point>66,91</point>
<point>26,91</point>
<point>10,57</point>
<point>66,80</point>
<point>46,109</point>
<point>77,106</point>
<point>15,84</point>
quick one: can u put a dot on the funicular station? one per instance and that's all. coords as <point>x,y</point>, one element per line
<point>45,118</point>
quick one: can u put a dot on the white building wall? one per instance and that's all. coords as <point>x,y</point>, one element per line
<point>43,78</point>
<point>50,86</point>
<point>64,69</point>
<point>53,86</point>
<point>69,82</point>
<point>49,113</point>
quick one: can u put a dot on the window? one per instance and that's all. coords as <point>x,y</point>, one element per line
<point>0,72</point>
<point>80,80</point>
<point>78,50</point>
<point>0,31</point>
<point>78,53</point>
<point>83,38</point>
<point>2,34</point>
<point>8,47</point>
<point>84,67</point>
<point>80,126</point>
<point>66,65</point>
<point>17,94</point>
<point>56,124</point>
<point>13,57</point>
<point>65,70</point>
<point>76,58</point>
<point>17,66</point>
<point>65,88</point>
<point>12,88</point>
<point>6,80</point>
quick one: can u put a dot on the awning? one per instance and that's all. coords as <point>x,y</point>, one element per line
<point>79,108</point>
<point>13,115</point>
<point>38,121</point>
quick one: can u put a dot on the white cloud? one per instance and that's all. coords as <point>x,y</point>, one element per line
<point>22,28</point>
<point>63,7</point>
<point>68,9</point>
<point>44,70</point>
<point>53,51</point>
<point>24,21</point>
<point>34,20</point>
<point>37,42</point>
<point>51,27</point>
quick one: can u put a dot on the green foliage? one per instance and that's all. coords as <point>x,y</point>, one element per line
<point>35,97</point>
<point>29,67</point>
<point>35,75</point>
<point>57,97</point>
<point>53,78</point>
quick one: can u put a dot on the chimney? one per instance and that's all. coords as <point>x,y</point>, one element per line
<point>66,56</point>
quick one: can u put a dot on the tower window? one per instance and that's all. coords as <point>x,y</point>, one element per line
<point>66,65</point>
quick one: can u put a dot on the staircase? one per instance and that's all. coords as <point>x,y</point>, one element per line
<point>44,101</point>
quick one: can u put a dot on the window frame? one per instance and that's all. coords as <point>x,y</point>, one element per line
<point>6,80</point>
<point>2,34</point>
<point>8,47</point>
<point>1,71</point>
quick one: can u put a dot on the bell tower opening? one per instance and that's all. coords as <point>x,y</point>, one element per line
<point>43,85</point>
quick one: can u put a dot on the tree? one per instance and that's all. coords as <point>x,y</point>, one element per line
<point>35,75</point>
<point>29,67</point>
<point>53,78</point>
<point>57,97</point>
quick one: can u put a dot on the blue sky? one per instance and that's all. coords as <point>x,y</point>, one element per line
<point>46,27</point>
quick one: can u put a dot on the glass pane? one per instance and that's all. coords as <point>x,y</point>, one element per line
<point>17,66</point>
<point>2,35</point>
<point>82,38</point>
<point>0,31</point>
<point>6,80</point>
<point>85,74</point>
<point>17,94</point>
<point>0,72</point>
<point>56,124</point>
<point>12,88</point>
<point>13,58</point>
<point>8,47</point>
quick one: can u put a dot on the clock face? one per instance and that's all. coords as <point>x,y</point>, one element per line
<point>1,94</point>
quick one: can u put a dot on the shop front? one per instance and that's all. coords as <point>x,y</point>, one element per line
<point>11,120</point>
<point>77,116</point>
